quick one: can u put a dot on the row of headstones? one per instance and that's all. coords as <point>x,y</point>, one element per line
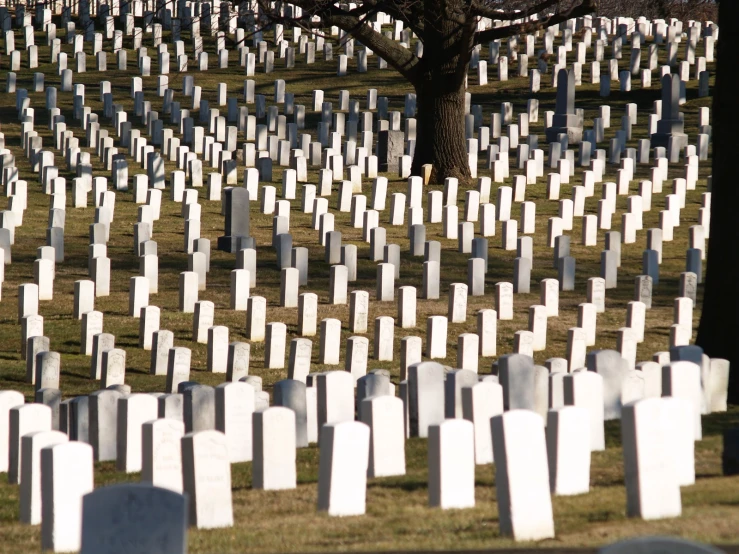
<point>139,297</point>
<point>529,387</point>
<point>143,301</point>
<point>108,363</point>
<point>144,61</point>
<point>117,37</point>
<point>623,77</point>
<point>249,62</point>
<point>337,120</point>
<point>29,295</point>
<point>248,124</point>
<point>199,248</point>
<point>114,513</point>
<point>569,462</point>
<point>635,40</point>
<point>134,311</point>
<point>556,72</point>
<point>220,160</point>
<point>287,186</point>
<point>43,364</point>
<point>286,193</point>
<point>179,372</point>
<point>291,278</point>
<point>189,15</point>
<point>196,463</point>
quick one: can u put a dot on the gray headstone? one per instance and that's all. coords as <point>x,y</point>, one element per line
<point>613,368</point>
<point>390,147</point>
<point>290,393</point>
<point>103,424</point>
<point>237,218</point>
<point>51,398</point>
<point>199,408</point>
<point>516,374</point>
<point>134,517</point>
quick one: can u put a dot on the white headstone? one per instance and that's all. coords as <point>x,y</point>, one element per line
<point>342,472</point>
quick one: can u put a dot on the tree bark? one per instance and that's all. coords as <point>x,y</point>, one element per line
<point>440,138</point>
<point>439,83</point>
<point>718,333</point>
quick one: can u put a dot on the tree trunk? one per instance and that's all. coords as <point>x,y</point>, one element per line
<point>439,84</point>
<point>718,333</point>
<point>440,138</point>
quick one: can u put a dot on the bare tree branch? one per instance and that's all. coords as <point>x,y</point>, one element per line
<point>401,59</point>
<point>355,23</point>
<point>584,8</point>
<point>483,9</point>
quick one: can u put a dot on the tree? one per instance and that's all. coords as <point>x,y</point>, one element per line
<point>684,10</point>
<point>449,32</point>
<point>718,332</point>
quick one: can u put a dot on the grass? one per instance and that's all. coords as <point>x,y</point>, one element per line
<point>397,514</point>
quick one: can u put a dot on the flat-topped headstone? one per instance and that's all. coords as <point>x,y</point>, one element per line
<point>390,147</point>
<point>103,411</point>
<point>565,120</point>
<point>670,127</point>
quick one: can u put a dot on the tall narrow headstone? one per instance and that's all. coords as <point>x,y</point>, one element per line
<point>522,476</point>
<point>206,475</point>
<point>274,449</point>
<point>342,470</point>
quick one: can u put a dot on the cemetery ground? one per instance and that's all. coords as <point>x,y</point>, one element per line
<point>398,517</point>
